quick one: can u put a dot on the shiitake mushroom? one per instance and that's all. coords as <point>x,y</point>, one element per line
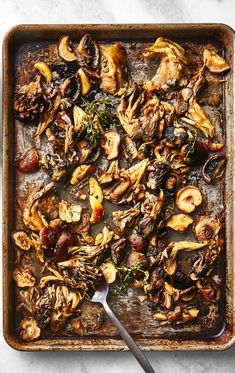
<point>214,168</point>
<point>89,51</point>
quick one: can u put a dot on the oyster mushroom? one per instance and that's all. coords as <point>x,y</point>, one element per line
<point>80,173</point>
<point>214,168</point>
<point>195,116</point>
<point>170,253</point>
<point>84,151</point>
<point>69,212</point>
<point>214,62</point>
<point>188,199</point>
<point>29,161</point>
<point>89,51</point>
<point>44,69</point>
<point>124,218</point>
<point>110,144</point>
<point>135,258</point>
<point>113,68</point>
<point>205,228</point>
<point>22,240</point>
<point>79,119</point>
<point>108,177</point>
<point>96,199</point>
<point>179,222</point>
<point>172,66</point>
<point>65,49</point>
<point>109,272</point>
<point>118,249</point>
<point>29,329</point>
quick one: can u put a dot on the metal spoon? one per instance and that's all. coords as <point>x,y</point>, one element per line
<point>100,297</point>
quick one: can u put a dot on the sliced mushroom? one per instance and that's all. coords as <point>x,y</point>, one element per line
<point>23,277</point>
<point>84,151</point>
<point>111,144</point>
<point>135,258</point>
<point>118,249</point>
<point>214,168</point>
<point>103,238</point>
<point>22,240</point>
<point>109,272</point>
<point>65,240</point>
<point>89,51</point>
<point>65,49</point>
<point>29,329</point>
<point>129,149</point>
<point>80,173</point>
<point>84,81</point>
<point>205,228</point>
<point>71,88</point>
<point>44,70</point>
<point>96,199</point>
<point>170,253</point>
<point>188,199</point>
<point>137,242</point>
<point>123,218</point>
<point>179,222</point>
<point>29,161</point>
<point>195,116</point>
<point>69,212</point>
<point>214,62</point>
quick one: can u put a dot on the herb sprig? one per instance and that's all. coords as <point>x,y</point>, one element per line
<point>192,141</point>
<point>127,275</point>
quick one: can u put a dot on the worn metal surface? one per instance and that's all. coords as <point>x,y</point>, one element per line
<point>24,46</point>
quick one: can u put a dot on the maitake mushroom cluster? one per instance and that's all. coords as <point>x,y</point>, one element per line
<point>132,146</point>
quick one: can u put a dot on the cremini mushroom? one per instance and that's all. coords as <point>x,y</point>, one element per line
<point>29,161</point>
<point>214,168</point>
<point>84,82</point>
<point>179,222</point>
<point>45,70</point>
<point>188,199</point>
<point>89,51</point>
<point>65,49</point>
<point>111,144</point>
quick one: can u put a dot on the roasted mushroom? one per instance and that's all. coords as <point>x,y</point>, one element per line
<point>188,199</point>
<point>214,62</point>
<point>110,144</point>
<point>129,149</point>
<point>29,161</point>
<point>23,277</point>
<point>109,272</point>
<point>65,49</point>
<point>71,88</point>
<point>205,228</point>
<point>80,173</point>
<point>44,69</point>
<point>113,68</point>
<point>124,218</point>
<point>96,199</point>
<point>214,168</point>
<point>69,212</point>
<point>84,82</point>
<point>179,222</point>
<point>195,116</point>
<point>29,329</point>
<point>22,240</point>
<point>89,52</point>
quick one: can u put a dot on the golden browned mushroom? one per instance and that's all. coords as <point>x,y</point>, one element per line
<point>113,66</point>
<point>195,116</point>
<point>110,144</point>
<point>29,329</point>
<point>134,258</point>
<point>65,49</point>
<point>89,51</point>
<point>205,228</point>
<point>23,277</point>
<point>96,199</point>
<point>80,173</point>
<point>69,212</point>
<point>109,272</point>
<point>22,240</point>
<point>29,161</point>
<point>188,199</point>
<point>84,82</point>
<point>79,119</point>
<point>214,62</point>
<point>44,69</point>
<point>179,222</point>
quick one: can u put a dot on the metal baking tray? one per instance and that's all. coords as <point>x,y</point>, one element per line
<point>24,43</point>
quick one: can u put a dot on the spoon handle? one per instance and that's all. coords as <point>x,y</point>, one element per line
<point>139,355</point>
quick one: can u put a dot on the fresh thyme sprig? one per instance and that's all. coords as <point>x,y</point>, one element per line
<point>192,141</point>
<point>127,275</point>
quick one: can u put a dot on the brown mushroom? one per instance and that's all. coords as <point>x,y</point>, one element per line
<point>80,173</point>
<point>96,199</point>
<point>29,161</point>
<point>129,149</point>
<point>22,240</point>
<point>89,51</point>
<point>109,272</point>
<point>188,199</point>
<point>134,258</point>
<point>205,228</point>
<point>179,222</point>
<point>44,69</point>
<point>69,212</point>
<point>71,88</point>
<point>23,277</point>
<point>84,82</point>
<point>110,144</point>
<point>29,329</point>
<point>65,49</point>
<point>214,168</point>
